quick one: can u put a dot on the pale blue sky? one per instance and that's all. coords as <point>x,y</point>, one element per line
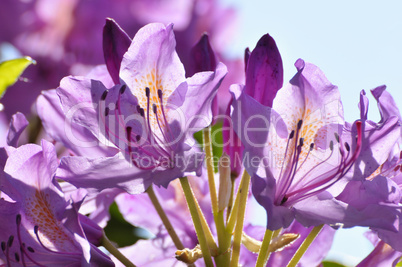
<point>358,45</point>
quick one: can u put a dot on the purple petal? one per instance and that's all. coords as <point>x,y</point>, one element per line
<point>102,173</point>
<point>264,74</point>
<point>76,95</point>
<point>382,256</point>
<point>74,136</point>
<point>363,105</point>
<point>115,44</point>
<point>232,145</point>
<point>152,52</point>
<point>386,103</point>
<point>17,125</point>
<point>196,109</point>
<point>102,74</point>
<point>27,157</point>
<point>252,122</point>
<point>377,142</point>
<point>359,205</point>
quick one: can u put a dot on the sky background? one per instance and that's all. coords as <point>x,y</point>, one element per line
<point>358,46</point>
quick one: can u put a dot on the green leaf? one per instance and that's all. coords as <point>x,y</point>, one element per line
<point>122,232</point>
<point>10,71</point>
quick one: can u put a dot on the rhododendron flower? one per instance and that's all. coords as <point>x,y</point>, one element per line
<point>300,152</point>
<point>150,116</point>
<point>37,225</point>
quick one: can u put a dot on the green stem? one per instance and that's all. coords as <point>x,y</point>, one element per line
<point>224,238</point>
<point>223,258</point>
<point>210,169</point>
<point>105,242</point>
<point>242,195</point>
<point>233,213</point>
<point>264,250</point>
<point>197,221</point>
<point>305,245</point>
<point>207,231</point>
<point>229,209</point>
<point>164,218</point>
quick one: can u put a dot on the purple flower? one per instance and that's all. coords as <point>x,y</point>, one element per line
<point>150,116</point>
<point>294,150</point>
<point>373,194</point>
<point>38,226</point>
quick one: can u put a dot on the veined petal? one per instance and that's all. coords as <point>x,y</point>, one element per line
<point>76,95</point>
<point>17,125</point>
<point>74,136</point>
<point>196,109</point>
<point>151,61</point>
<point>45,227</point>
<point>102,173</point>
<point>386,103</point>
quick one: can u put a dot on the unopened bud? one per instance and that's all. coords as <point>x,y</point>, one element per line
<point>276,244</point>
<point>250,243</point>
<point>225,182</point>
<point>189,256</point>
<point>282,241</point>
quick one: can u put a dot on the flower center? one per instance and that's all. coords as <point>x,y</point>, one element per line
<point>299,179</point>
<point>149,142</point>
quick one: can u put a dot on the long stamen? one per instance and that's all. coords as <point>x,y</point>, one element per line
<point>288,175</point>
<point>293,170</point>
<point>18,222</point>
<point>305,159</point>
<point>291,135</point>
<point>147,93</point>
<point>343,168</point>
<point>160,96</point>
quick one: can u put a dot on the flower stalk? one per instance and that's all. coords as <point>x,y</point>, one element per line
<point>264,250</point>
<point>210,168</point>
<point>164,218</point>
<point>188,193</point>
<point>305,245</point>
<point>241,201</point>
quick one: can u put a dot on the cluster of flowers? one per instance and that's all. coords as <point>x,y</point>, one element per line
<point>124,133</point>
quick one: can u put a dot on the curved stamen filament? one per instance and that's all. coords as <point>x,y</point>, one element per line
<point>293,161</point>
<point>153,145</point>
<point>318,185</point>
